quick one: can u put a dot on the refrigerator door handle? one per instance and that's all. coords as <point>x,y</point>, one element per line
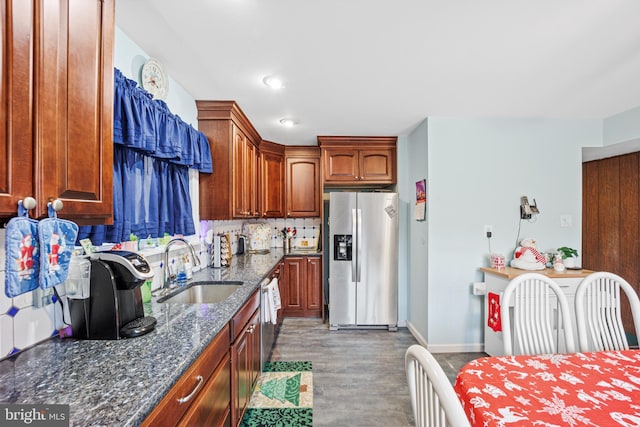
<point>359,246</point>
<point>354,257</point>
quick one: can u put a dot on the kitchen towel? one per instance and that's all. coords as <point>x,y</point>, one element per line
<point>266,307</point>
<point>57,238</point>
<point>274,300</point>
<point>22,255</point>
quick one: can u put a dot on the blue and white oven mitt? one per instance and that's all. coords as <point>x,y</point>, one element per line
<point>57,240</point>
<point>22,256</point>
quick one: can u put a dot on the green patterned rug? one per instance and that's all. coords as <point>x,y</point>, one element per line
<point>283,397</point>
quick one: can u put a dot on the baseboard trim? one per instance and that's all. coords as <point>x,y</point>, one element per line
<point>444,348</point>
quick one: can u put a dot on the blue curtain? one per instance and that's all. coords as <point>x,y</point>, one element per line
<point>153,151</point>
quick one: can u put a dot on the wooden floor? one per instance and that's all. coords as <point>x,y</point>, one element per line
<point>358,375</point>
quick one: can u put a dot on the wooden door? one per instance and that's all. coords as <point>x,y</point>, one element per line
<point>303,186</point>
<point>611,220</point>
<point>74,107</point>
<point>16,104</point>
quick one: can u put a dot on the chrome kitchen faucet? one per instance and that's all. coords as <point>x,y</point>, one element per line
<point>166,278</point>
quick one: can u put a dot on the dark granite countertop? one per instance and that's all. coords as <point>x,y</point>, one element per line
<point>118,383</point>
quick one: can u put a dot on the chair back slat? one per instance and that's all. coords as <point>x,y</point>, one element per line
<point>540,312</point>
<point>433,400</point>
<point>599,313</point>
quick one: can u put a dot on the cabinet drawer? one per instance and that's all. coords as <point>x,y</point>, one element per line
<point>173,406</point>
<point>242,317</point>
<point>212,407</point>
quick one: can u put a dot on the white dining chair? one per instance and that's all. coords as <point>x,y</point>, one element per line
<point>434,402</point>
<point>534,311</point>
<point>598,312</point>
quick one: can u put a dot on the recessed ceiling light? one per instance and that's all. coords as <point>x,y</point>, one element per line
<point>273,82</point>
<point>287,122</point>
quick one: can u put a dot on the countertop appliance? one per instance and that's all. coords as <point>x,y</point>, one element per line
<point>114,308</point>
<point>363,260</point>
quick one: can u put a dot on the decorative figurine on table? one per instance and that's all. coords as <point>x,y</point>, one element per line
<point>558,265</point>
<point>527,257</point>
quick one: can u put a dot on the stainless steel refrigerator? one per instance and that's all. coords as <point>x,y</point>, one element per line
<point>363,260</point>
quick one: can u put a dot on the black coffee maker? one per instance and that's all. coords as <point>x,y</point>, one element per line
<point>114,308</point>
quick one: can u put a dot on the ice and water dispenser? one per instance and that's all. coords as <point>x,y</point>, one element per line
<point>342,244</point>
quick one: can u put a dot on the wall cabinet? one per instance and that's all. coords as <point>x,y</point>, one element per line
<point>302,181</point>
<point>231,190</point>
<point>302,291</point>
<point>202,395</point>
<point>358,160</point>
<point>272,180</point>
<point>56,107</point>
<point>245,356</point>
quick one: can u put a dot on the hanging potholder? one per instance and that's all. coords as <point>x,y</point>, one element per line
<point>57,240</point>
<point>21,247</point>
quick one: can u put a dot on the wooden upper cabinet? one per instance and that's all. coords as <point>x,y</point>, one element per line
<point>57,107</point>
<point>231,191</point>
<point>245,175</point>
<point>302,181</point>
<point>272,180</point>
<point>359,160</point>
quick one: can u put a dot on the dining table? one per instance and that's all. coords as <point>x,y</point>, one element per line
<point>566,389</point>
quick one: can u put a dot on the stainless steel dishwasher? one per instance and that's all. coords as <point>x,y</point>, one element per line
<point>268,330</point>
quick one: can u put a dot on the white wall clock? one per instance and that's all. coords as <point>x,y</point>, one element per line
<point>154,79</point>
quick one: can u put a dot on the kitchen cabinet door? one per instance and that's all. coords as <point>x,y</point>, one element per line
<point>272,180</point>
<point>302,176</point>
<point>245,176</point>
<point>377,166</point>
<point>245,353</point>
<point>58,126</point>
<point>314,286</point>
<point>16,104</point>
<point>302,293</point>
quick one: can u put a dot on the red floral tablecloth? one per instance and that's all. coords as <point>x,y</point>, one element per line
<point>580,389</point>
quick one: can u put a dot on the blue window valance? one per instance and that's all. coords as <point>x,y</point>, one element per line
<point>153,151</point>
<point>146,125</point>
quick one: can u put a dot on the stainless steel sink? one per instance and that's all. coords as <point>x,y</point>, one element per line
<point>201,293</point>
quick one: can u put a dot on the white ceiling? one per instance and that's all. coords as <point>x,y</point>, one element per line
<point>379,67</point>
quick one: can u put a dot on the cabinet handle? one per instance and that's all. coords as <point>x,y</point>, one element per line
<point>28,203</point>
<point>55,204</point>
<point>251,329</point>
<point>194,392</point>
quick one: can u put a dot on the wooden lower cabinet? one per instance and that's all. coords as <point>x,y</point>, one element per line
<point>203,391</point>
<point>212,406</point>
<point>245,356</point>
<point>302,293</point>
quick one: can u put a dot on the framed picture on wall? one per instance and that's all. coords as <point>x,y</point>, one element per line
<point>421,200</point>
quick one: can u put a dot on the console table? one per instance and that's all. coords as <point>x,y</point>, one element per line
<point>496,281</point>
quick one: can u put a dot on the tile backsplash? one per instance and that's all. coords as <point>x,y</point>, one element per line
<point>30,318</point>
